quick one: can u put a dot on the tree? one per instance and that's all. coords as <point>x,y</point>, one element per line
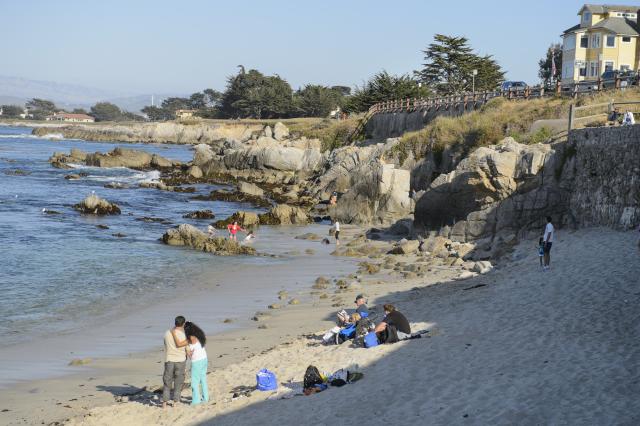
<point>106,111</point>
<point>344,90</point>
<point>250,94</point>
<point>554,51</point>
<point>155,113</point>
<point>384,87</point>
<point>171,105</point>
<point>40,108</point>
<point>79,111</point>
<point>316,101</point>
<point>449,65</point>
<point>11,111</point>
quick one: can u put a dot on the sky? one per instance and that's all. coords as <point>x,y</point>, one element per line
<point>147,46</point>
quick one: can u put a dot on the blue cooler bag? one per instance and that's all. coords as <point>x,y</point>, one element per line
<point>370,340</point>
<point>266,380</point>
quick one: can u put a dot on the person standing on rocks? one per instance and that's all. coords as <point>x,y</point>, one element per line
<point>549,232</point>
<point>175,359</point>
<point>336,228</point>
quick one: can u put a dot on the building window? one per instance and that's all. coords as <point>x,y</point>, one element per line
<point>586,17</point>
<point>611,41</point>
<point>584,41</point>
<point>608,66</point>
<point>595,41</point>
<point>583,71</point>
<point>626,39</point>
<point>593,71</point>
<point>625,67</point>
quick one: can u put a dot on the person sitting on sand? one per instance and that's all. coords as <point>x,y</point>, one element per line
<point>195,341</point>
<point>233,229</point>
<point>361,311</point>
<point>175,359</point>
<point>393,327</point>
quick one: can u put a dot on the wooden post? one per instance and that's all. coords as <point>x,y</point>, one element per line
<point>600,84</point>
<point>558,88</point>
<point>575,90</point>
<point>618,82</point>
<point>571,117</point>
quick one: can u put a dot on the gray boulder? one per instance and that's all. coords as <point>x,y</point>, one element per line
<point>280,131</point>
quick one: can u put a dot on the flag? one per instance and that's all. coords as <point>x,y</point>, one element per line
<point>553,64</point>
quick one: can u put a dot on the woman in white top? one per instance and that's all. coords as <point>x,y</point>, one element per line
<point>336,227</point>
<point>199,362</point>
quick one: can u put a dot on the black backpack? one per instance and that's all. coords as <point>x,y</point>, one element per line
<point>312,377</point>
<point>389,335</point>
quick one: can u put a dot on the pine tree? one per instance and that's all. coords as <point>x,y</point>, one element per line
<point>449,65</point>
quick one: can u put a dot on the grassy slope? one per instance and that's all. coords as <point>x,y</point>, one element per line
<point>498,119</point>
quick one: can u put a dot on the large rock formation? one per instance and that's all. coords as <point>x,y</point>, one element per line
<point>265,159</point>
<point>190,236</point>
<point>119,157</point>
<point>373,191</point>
<point>500,193</point>
<point>283,214</point>
<point>167,132</point>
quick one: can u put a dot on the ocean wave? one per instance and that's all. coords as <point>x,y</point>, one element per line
<point>52,136</point>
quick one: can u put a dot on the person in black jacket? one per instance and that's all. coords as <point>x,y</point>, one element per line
<point>394,326</point>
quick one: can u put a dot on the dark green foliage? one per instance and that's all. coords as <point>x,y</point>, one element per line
<point>105,111</point>
<point>316,101</point>
<point>384,87</point>
<point>40,108</point>
<point>155,113</point>
<point>555,51</point>
<point>449,65</point>
<point>11,111</point>
<point>253,95</point>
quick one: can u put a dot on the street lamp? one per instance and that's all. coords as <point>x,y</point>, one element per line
<point>474,73</point>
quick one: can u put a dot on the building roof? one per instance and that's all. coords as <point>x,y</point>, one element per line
<point>618,25</point>
<point>572,29</point>
<point>606,8</point>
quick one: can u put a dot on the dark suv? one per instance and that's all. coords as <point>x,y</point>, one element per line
<point>627,78</point>
<point>513,85</point>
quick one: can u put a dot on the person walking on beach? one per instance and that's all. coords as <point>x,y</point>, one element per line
<point>336,228</point>
<point>549,232</point>
<point>233,229</point>
<point>196,341</point>
<point>175,359</point>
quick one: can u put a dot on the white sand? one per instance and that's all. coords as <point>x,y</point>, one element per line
<point>526,348</point>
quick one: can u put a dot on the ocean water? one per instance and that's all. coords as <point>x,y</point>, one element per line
<point>63,277</point>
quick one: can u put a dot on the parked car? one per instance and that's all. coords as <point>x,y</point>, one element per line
<point>627,78</point>
<point>513,85</point>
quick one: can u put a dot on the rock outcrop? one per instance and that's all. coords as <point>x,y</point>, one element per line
<point>167,132</point>
<point>284,214</point>
<point>247,220</point>
<point>96,205</point>
<point>190,236</point>
<point>119,157</point>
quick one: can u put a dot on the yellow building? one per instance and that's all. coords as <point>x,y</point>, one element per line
<point>605,39</point>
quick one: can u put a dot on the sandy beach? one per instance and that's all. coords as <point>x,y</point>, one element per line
<point>514,346</point>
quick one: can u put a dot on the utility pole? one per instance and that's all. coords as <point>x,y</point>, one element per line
<point>152,100</point>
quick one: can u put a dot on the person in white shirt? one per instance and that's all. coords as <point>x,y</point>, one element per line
<point>628,119</point>
<point>196,340</point>
<point>549,232</point>
<point>336,227</point>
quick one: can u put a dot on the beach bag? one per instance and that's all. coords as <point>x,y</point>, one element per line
<point>339,378</point>
<point>370,340</point>
<point>266,380</point>
<point>312,377</point>
<point>330,336</point>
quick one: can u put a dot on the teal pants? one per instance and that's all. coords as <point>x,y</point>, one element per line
<point>199,378</point>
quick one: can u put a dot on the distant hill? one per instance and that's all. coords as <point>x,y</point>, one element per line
<point>17,91</point>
